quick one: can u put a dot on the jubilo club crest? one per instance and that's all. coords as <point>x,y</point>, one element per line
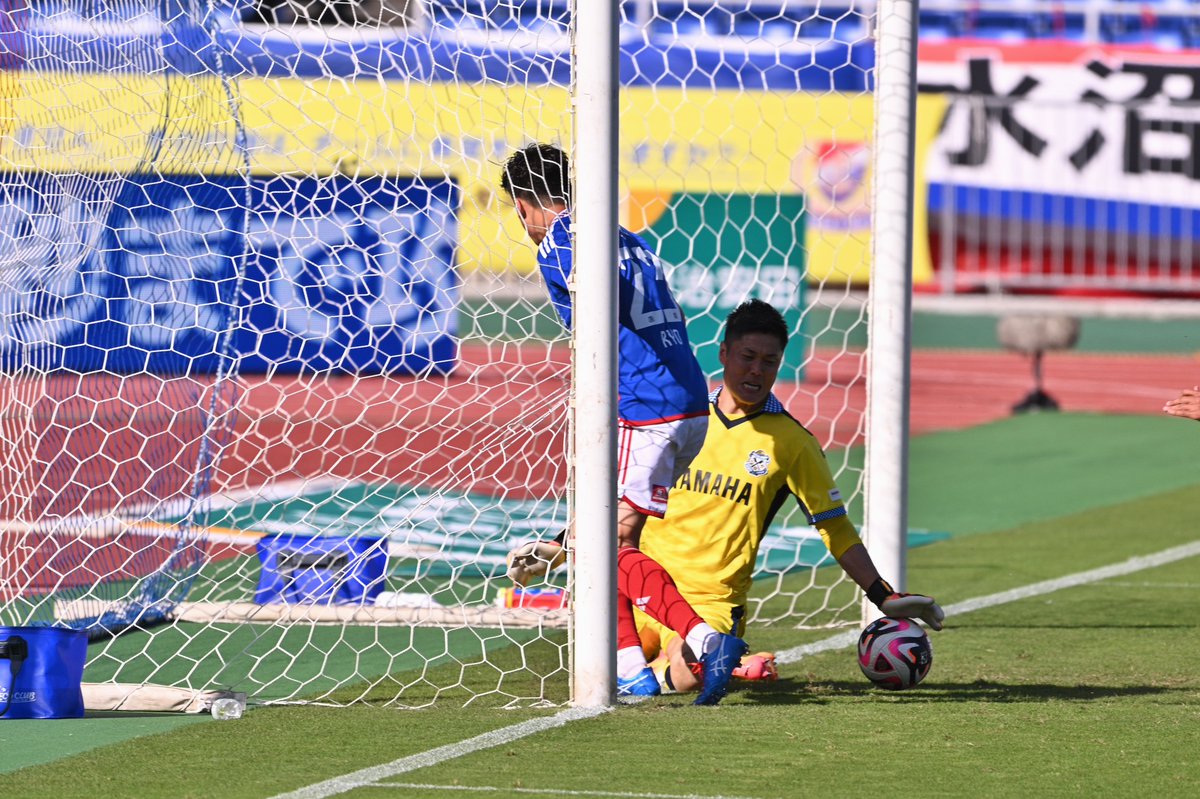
<point>758,462</point>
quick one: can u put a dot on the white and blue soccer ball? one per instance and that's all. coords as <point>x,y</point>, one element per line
<point>894,653</point>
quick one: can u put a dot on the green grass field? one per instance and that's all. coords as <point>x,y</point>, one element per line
<point>1088,690</point>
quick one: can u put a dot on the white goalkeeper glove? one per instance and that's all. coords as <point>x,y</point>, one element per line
<point>905,606</point>
<point>534,560</point>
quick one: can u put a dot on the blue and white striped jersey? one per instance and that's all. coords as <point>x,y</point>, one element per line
<point>659,377</point>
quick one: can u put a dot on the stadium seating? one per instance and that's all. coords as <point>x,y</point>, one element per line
<point>1001,26</point>
<point>1166,24</point>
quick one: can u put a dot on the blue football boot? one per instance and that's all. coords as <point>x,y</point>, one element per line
<point>719,661</point>
<point>635,689</point>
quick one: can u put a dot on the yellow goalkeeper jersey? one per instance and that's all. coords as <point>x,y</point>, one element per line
<point>719,509</point>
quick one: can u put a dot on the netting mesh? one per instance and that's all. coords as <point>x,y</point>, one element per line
<point>116,312</point>
<point>279,372</point>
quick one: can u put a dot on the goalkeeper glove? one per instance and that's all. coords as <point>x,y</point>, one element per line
<point>534,560</point>
<point>905,606</point>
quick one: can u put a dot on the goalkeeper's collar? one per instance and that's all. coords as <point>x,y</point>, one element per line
<point>772,405</point>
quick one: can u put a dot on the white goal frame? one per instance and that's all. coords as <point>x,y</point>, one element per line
<point>579,110</point>
<point>885,528</point>
<point>593,623</point>
<point>889,332</point>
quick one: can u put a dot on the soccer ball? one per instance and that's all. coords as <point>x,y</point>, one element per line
<point>894,653</point>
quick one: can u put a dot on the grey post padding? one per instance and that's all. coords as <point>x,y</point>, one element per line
<point>151,698</point>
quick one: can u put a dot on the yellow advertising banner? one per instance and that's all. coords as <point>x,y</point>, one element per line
<point>673,141</point>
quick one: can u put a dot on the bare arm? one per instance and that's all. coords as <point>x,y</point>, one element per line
<point>857,564</point>
<point>630,522</point>
<point>859,567</point>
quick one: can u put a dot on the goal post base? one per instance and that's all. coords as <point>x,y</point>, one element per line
<point>452,616</point>
<point>448,616</point>
<point>100,697</point>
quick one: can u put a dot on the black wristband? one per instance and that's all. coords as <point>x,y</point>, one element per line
<point>561,538</point>
<point>879,591</point>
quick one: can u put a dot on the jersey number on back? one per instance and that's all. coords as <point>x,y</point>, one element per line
<point>642,318</point>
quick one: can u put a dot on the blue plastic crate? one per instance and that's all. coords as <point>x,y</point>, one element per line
<point>321,570</point>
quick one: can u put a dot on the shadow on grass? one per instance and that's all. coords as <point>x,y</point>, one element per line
<point>797,692</point>
<point>138,714</point>
<point>1070,625</point>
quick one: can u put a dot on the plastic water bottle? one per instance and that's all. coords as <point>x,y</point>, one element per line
<point>227,708</point>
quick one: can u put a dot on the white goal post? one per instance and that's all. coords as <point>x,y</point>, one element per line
<point>595,355</point>
<point>890,311</point>
<point>886,471</point>
<point>280,385</point>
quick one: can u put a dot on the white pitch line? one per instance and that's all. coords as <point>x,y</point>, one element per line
<point>504,735</point>
<point>839,641</point>
<point>1135,564</point>
<point>553,791</point>
<point>1147,584</point>
<point>368,776</point>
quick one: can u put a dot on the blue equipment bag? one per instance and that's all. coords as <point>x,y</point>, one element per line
<point>41,669</point>
<point>302,569</point>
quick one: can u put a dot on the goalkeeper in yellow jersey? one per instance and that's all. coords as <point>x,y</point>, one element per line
<point>755,456</point>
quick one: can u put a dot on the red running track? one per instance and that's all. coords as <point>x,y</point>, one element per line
<point>953,389</point>
<point>480,429</point>
<point>496,426</point>
<point>82,446</point>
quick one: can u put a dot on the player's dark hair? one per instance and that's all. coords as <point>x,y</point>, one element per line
<point>756,316</point>
<point>538,173</point>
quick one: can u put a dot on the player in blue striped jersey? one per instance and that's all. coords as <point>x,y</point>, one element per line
<point>659,378</point>
<point>662,413</point>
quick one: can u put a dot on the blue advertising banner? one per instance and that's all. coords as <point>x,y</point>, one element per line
<point>165,274</point>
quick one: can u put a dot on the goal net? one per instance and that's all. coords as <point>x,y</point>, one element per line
<point>281,385</point>
<point>122,201</point>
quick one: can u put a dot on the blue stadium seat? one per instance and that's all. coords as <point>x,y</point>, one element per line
<point>776,23</point>
<point>784,20</point>
<point>779,29</point>
<point>1067,25</point>
<point>691,20</point>
<point>1120,28</point>
<point>1042,26</point>
<point>1000,26</point>
<point>527,15</point>
<point>1177,32</point>
<point>940,24</point>
<point>850,28</point>
<point>456,14</point>
<point>816,27</point>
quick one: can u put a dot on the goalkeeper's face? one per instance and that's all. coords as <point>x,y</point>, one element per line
<point>751,366</point>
